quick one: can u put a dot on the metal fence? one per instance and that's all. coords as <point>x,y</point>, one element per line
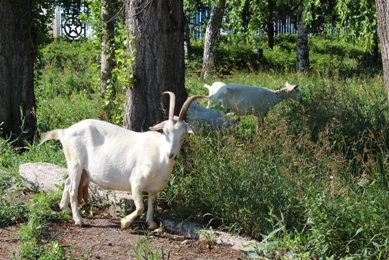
<point>197,25</point>
<point>68,24</point>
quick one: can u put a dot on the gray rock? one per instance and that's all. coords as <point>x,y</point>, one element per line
<point>197,231</point>
<point>43,175</point>
<point>48,176</point>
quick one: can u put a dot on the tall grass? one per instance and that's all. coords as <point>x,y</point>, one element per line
<point>311,182</point>
<point>316,172</point>
<point>319,168</point>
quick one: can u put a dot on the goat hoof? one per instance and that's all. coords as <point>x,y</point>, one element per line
<point>79,222</point>
<point>152,225</point>
<point>124,224</point>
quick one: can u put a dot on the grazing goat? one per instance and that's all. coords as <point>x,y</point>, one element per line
<point>119,159</point>
<point>213,89</point>
<point>245,100</point>
<point>198,115</point>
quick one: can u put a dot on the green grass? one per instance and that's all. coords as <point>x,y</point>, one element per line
<point>319,168</point>
<point>146,251</point>
<point>312,182</point>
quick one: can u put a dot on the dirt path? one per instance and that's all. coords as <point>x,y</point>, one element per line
<point>102,238</point>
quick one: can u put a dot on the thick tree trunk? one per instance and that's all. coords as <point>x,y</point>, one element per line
<point>211,38</point>
<point>302,45</point>
<point>107,40</point>
<point>17,100</point>
<point>383,29</point>
<point>158,27</point>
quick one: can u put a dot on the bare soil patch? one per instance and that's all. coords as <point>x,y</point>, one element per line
<point>8,242</point>
<point>102,238</point>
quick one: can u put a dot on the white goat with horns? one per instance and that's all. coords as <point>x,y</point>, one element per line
<point>245,100</point>
<point>119,159</point>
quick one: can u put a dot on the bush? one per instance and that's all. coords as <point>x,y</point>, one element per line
<point>66,68</point>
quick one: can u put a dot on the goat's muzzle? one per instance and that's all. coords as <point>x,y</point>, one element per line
<point>170,156</point>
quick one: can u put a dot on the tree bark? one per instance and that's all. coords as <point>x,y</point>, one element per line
<point>107,40</point>
<point>187,45</point>
<point>302,44</point>
<point>270,24</point>
<point>158,27</point>
<point>211,38</point>
<point>383,29</point>
<point>270,33</point>
<point>17,100</point>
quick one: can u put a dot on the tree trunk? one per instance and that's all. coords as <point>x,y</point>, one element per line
<point>302,44</point>
<point>17,100</point>
<point>211,38</point>
<point>383,29</point>
<point>270,24</point>
<point>187,45</point>
<point>107,41</point>
<point>158,27</point>
<point>270,33</point>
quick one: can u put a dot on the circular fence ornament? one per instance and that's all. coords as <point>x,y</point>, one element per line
<point>73,27</point>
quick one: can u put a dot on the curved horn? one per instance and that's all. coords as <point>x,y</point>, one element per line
<point>172,104</point>
<point>186,105</point>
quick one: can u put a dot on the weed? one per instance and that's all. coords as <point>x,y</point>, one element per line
<point>208,236</point>
<point>145,251</point>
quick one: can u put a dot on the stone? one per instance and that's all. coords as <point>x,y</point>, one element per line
<point>48,176</point>
<point>43,175</point>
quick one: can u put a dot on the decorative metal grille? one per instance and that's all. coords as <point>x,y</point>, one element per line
<point>73,28</point>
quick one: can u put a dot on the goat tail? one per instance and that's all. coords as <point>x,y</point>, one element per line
<point>51,135</point>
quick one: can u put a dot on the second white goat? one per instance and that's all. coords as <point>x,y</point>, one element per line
<point>119,159</point>
<point>213,89</point>
<point>245,100</point>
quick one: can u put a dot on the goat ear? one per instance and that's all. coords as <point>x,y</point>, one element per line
<point>189,129</point>
<point>296,87</point>
<point>158,126</point>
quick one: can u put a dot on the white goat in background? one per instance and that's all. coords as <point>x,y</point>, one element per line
<point>198,115</point>
<point>213,89</point>
<point>119,159</point>
<point>245,100</point>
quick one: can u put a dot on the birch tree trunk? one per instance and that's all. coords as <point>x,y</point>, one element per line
<point>211,38</point>
<point>17,99</point>
<point>383,30</point>
<point>158,28</point>
<point>302,44</point>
